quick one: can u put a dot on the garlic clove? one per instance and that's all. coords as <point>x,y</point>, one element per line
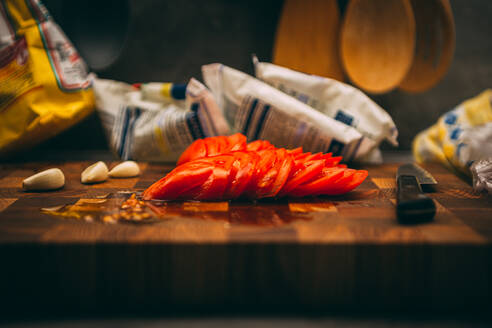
<point>97,172</point>
<point>126,169</point>
<point>46,180</point>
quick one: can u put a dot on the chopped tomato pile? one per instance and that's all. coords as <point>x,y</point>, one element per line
<point>228,168</point>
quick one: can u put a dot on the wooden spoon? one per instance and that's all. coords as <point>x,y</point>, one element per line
<point>377,43</point>
<point>434,47</point>
<point>307,37</point>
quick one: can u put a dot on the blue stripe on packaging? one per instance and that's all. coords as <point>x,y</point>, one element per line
<point>336,147</point>
<point>303,98</point>
<point>136,114</point>
<point>455,134</point>
<point>211,124</point>
<point>354,152</point>
<point>194,125</point>
<point>266,109</point>
<point>450,118</point>
<point>178,91</point>
<point>344,117</point>
<point>126,120</point>
<point>251,111</point>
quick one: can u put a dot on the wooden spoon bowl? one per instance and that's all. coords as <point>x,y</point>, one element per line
<point>307,37</point>
<point>434,47</point>
<point>377,43</point>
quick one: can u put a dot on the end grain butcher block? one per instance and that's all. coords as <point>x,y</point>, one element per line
<point>313,253</point>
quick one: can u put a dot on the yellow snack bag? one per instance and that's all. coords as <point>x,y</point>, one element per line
<point>460,137</point>
<point>44,84</point>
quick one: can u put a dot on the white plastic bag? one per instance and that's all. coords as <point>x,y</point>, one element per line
<point>154,123</point>
<point>337,100</point>
<point>260,111</point>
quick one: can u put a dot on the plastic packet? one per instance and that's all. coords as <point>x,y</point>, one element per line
<point>482,175</point>
<point>44,83</point>
<point>460,136</point>
<point>153,124</point>
<point>260,111</point>
<point>335,99</point>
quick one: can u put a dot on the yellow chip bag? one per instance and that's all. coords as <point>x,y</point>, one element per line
<point>44,83</point>
<point>460,137</point>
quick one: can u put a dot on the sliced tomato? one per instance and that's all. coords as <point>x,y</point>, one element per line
<point>258,145</point>
<point>266,182</point>
<point>241,173</point>
<point>316,186</point>
<point>265,162</point>
<point>222,145</point>
<point>295,151</point>
<point>302,156</point>
<point>338,184</point>
<point>178,181</point>
<point>216,184</point>
<point>237,142</point>
<point>254,145</point>
<point>283,167</point>
<point>313,157</point>
<point>333,161</point>
<point>303,174</point>
<point>196,150</point>
<point>357,178</point>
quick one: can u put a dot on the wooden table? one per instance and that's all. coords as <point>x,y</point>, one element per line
<point>317,254</point>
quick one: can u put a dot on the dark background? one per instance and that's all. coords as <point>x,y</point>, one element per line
<point>170,40</point>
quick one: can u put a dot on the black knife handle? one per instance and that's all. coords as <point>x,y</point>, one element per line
<point>412,205</point>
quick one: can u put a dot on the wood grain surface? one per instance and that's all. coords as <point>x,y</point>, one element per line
<point>312,253</point>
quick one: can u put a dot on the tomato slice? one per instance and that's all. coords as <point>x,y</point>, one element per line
<point>333,161</point>
<point>284,167</point>
<point>178,181</point>
<point>237,142</point>
<point>358,177</point>
<point>196,150</point>
<point>216,184</point>
<point>295,151</point>
<point>241,173</point>
<point>316,186</point>
<point>222,145</point>
<point>254,145</point>
<point>302,156</point>
<point>265,162</point>
<point>313,157</point>
<point>340,183</point>
<point>303,174</point>
<point>258,145</point>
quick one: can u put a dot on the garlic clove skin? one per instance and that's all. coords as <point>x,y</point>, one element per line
<point>97,172</point>
<point>127,169</point>
<point>46,180</point>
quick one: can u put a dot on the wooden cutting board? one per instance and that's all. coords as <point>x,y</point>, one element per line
<point>320,254</point>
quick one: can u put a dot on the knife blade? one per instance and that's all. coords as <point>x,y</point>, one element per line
<point>412,205</point>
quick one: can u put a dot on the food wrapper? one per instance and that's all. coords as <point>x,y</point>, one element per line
<point>157,121</point>
<point>260,111</point>
<point>335,99</point>
<point>460,137</point>
<point>482,175</point>
<point>44,84</point>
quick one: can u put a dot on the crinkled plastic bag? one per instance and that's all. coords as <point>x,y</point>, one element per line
<point>260,111</point>
<point>460,137</point>
<point>44,84</point>
<point>335,99</point>
<point>158,121</point>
